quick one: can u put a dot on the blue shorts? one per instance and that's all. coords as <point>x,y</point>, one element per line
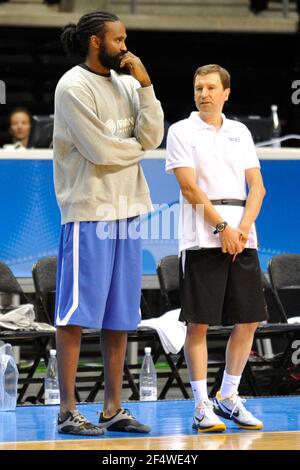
<point>99,275</point>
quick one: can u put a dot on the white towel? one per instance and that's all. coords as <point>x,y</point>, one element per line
<point>170,330</point>
<point>22,318</point>
<point>293,320</point>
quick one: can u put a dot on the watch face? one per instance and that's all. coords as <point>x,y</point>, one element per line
<point>220,227</point>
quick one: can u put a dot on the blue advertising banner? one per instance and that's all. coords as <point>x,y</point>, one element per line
<point>30,224</point>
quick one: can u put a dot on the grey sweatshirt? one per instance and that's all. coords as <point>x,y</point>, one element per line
<point>102,126</point>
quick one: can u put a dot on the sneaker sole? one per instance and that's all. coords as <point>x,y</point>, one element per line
<point>128,430</point>
<point>82,434</point>
<point>242,426</point>
<point>119,427</point>
<point>215,428</point>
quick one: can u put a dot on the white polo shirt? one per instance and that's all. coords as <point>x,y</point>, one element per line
<point>219,158</point>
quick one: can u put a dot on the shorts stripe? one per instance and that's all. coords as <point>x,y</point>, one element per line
<point>75,304</point>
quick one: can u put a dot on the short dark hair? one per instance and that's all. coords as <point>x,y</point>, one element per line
<point>20,109</point>
<point>214,68</point>
<point>75,38</point>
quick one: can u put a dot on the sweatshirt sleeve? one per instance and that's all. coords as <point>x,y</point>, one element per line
<point>149,127</point>
<point>89,134</point>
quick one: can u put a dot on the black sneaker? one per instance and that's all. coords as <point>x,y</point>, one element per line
<point>122,421</point>
<point>75,423</point>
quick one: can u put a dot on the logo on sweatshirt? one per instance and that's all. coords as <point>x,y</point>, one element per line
<point>121,126</point>
<point>111,125</point>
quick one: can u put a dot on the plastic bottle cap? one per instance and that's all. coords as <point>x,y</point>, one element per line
<point>148,350</point>
<point>52,352</point>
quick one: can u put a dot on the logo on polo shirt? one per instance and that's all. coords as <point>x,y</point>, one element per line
<point>121,126</point>
<point>234,139</point>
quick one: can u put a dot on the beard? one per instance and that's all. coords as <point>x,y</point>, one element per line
<point>111,61</point>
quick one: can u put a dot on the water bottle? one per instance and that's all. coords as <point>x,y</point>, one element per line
<point>9,375</point>
<point>51,381</point>
<point>276,125</point>
<point>148,378</point>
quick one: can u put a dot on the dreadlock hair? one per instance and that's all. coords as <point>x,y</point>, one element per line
<point>75,38</point>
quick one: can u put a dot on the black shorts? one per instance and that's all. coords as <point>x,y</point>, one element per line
<point>216,291</point>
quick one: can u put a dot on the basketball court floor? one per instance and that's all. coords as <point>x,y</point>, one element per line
<point>34,427</point>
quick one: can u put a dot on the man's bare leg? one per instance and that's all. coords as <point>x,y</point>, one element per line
<point>113,345</point>
<point>239,347</point>
<point>68,340</point>
<point>195,350</point>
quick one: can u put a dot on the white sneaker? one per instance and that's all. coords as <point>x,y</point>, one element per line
<point>205,420</point>
<point>233,408</point>
<point>75,423</point>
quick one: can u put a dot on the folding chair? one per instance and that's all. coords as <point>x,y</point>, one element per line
<point>44,277</point>
<point>37,340</point>
<point>41,135</point>
<point>144,336</point>
<point>9,284</point>
<point>284,273</point>
<point>217,336</point>
<point>168,276</point>
<point>257,371</point>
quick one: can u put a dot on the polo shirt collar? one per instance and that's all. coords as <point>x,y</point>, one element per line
<point>196,119</point>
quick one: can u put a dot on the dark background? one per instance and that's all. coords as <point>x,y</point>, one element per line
<point>262,66</point>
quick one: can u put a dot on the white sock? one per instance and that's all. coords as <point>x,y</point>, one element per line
<point>199,388</point>
<point>230,384</point>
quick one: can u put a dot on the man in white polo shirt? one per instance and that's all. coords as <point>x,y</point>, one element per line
<point>213,158</point>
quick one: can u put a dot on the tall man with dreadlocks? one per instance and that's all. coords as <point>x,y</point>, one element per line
<point>104,121</point>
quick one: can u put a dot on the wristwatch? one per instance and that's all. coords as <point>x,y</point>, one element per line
<point>220,227</point>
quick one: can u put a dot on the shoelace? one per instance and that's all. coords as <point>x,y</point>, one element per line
<point>78,418</point>
<point>128,413</point>
<point>238,401</point>
<point>206,404</point>
<point>123,411</point>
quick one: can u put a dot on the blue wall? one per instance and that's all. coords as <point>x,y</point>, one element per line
<point>30,222</point>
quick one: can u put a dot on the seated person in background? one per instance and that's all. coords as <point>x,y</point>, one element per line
<point>20,124</point>
<point>19,128</point>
